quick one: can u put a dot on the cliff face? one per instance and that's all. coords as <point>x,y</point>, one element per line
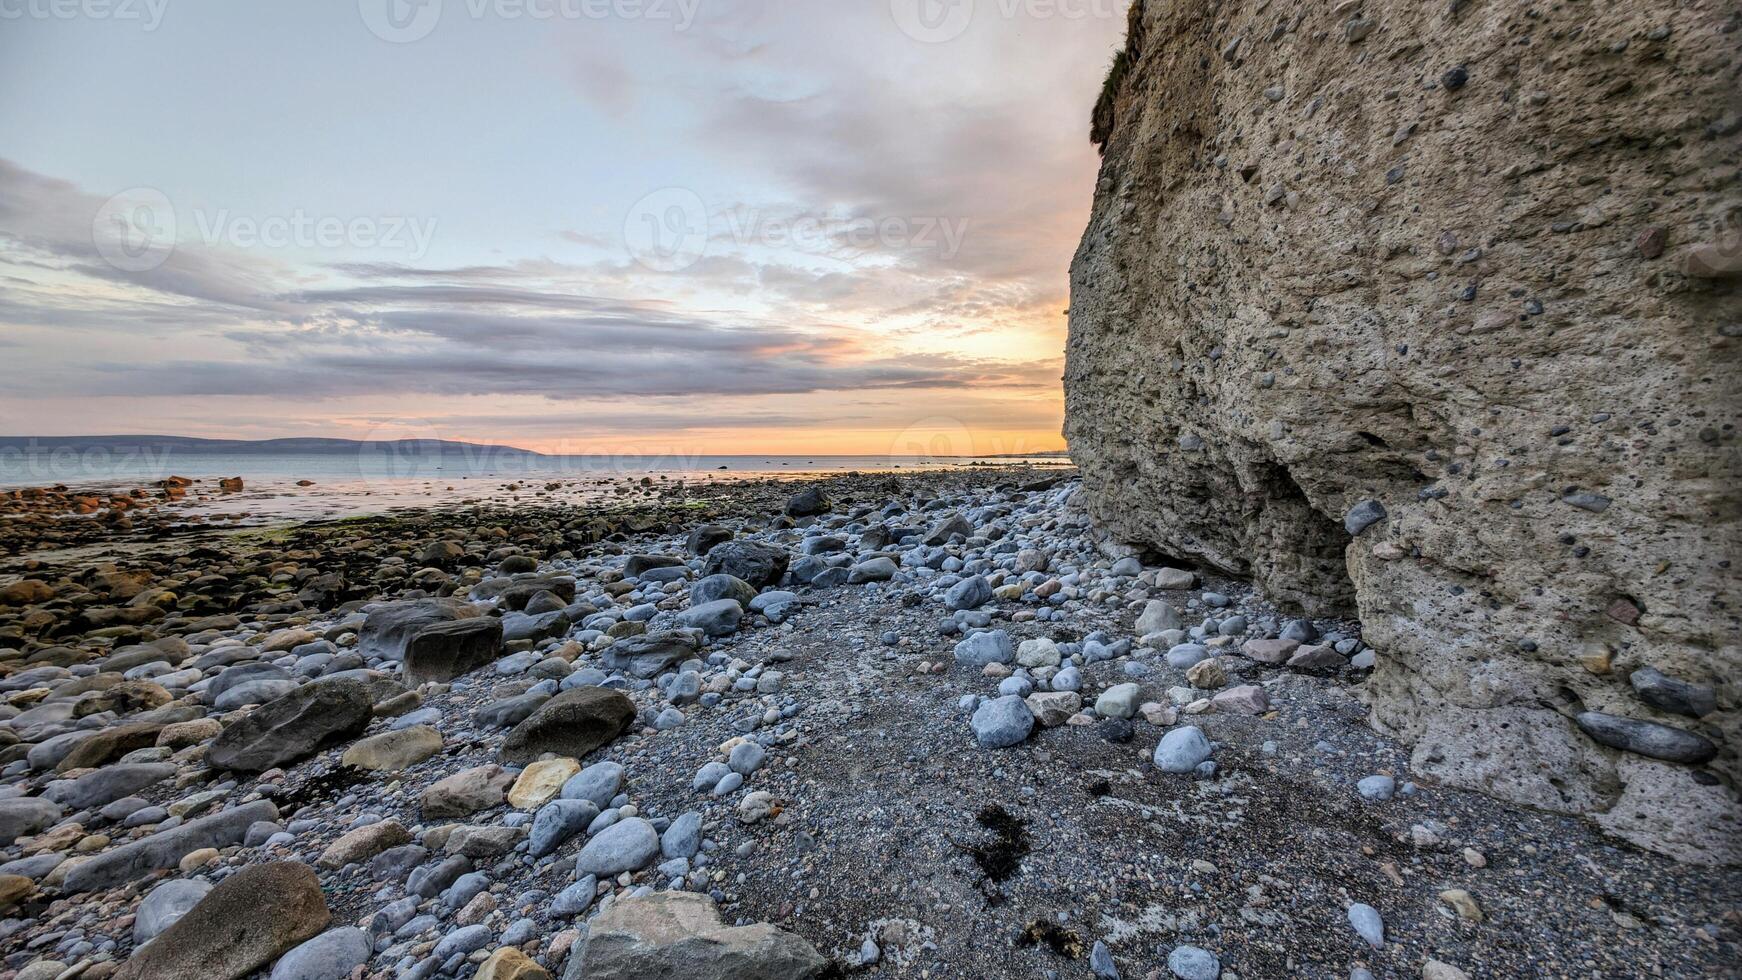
<point>1477,263</point>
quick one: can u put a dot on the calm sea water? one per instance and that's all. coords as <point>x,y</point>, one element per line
<point>312,486</point>
<point>144,466</point>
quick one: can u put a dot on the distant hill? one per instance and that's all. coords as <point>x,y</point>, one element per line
<point>250,447</point>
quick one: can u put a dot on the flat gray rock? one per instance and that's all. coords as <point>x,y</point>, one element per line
<point>165,904</point>
<point>1182,750</point>
<point>166,848</point>
<point>295,726</point>
<point>679,934</point>
<point>26,815</point>
<point>1002,722</point>
<point>627,845</point>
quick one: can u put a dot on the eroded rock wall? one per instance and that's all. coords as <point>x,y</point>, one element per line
<point>1477,262</point>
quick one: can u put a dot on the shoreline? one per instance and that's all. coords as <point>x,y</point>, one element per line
<point>203,505</point>
<point>862,693</point>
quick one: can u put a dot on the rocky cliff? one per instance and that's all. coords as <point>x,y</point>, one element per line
<point>1431,313</point>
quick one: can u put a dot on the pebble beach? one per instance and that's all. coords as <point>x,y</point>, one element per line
<point>866,724</point>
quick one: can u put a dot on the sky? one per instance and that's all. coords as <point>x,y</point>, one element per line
<point>714,226</point>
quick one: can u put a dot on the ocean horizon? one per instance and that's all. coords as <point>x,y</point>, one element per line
<point>391,463</point>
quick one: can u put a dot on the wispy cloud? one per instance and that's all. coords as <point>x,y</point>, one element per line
<point>974,178</point>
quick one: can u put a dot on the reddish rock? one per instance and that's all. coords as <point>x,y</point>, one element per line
<point>1270,651</point>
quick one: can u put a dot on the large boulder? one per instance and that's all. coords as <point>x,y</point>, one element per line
<point>651,654</point>
<point>572,724</point>
<point>248,920</point>
<point>639,565</point>
<point>108,784</point>
<point>534,626</point>
<point>762,565</point>
<point>110,744</point>
<point>294,727</point>
<point>808,503</point>
<point>679,934</point>
<point>718,618</point>
<point>1484,406</point>
<point>627,845</point>
<point>329,956</point>
<point>24,815</point>
<point>392,751</point>
<point>443,651</point>
<point>390,626</point>
<point>703,537</point>
<point>166,848</point>
<point>716,587</point>
<point>466,792</point>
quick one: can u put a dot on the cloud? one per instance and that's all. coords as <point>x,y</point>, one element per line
<point>773,113</point>
<point>470,330</point>
<point>53,224</point>
<point>570,370</point>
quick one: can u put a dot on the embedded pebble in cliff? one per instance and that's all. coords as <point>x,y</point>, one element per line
<point>1647,738</point>
<point>1596,503</point>
<point>1363,516</point>
<point>1666,693</point>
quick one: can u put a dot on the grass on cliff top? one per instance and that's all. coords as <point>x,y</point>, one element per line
<point>1106,105</point>
<point>1101,122</point>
